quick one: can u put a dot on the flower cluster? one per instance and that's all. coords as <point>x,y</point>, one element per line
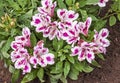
<point>41,56</point>
<point>69,29</point>
<point>23,59</point>
<point>87,50</point>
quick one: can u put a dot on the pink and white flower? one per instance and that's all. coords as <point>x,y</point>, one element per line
<point>26,32</point>
<point>71,34</point>
<point>100,38</point>
<point>26,68</point>
<point>34,61</point>
<point>41,22</point>
<point>47,8</point>
<point>52,31</point>
<point>66,17</point>
<point>84,51</point>
<point>75,50</point>
<point>102,3</point>
<point>25,38</point>
<point>41,56</point>
<point>22,63</point>
<point>16,54</point>
<point>84,27</point>
<point>49,58</point>
<point>15,45</point>
<point>23,59</point>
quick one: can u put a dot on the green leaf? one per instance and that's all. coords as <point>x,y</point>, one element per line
<point>73,1</point>
<point>57,45</point>
<point>73,73</point>
<point>29,77</point>
<point>93,17</point>
<point>40,74</point>
<point>63,79</point>
<point>11,69</point>
<point>99,24</point>
<point>89,2</point>
<point>95,63</point>
<point>57,76</point>
<point>15,76</point>
<point>4,33</point>
<point>13,32</point>
<point>27,15</point>
<point>87,68</point>
<point>2,43</point>
<point>59,65</point>
<point>69,2</point>
<point>112,20</point>
<point>33,39</point>
<point>118,4</point>
<point>66,69</point>
<point>62,58</point>
<point>60,44</point>
<point>84,14</point>
<point>6,47</point>
<point>61,4</point>
<point>118,16</point>
<point>54,71</point>
<point>67,47</point>
<point>71,59</point>
<point>114,6</point>
<point>79,66</point>
<point>5,54</point>
<point>101,56</point>
<point>22,2</point>
<point>82,3</point>
<point>8,62</point>
<point>66,51</point>
<point>53,80</point>
<point>91,36</point>
<point>2,5</point>
<point>13,4</point>
<point>34,4</point>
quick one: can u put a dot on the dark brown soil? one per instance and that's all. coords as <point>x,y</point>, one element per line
<point>5,75</point>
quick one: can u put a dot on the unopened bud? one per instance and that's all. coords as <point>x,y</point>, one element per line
<point>70,8</point>
<point>2,18</point>
<point>77,5</point>
<point>12,23</point>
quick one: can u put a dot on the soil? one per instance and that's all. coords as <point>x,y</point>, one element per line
<point>109,73</point>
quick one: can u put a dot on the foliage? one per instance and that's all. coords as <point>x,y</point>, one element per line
<point>113,13</point>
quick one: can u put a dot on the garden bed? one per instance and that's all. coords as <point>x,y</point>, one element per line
<point>109,73</point>
<point>110,68</point>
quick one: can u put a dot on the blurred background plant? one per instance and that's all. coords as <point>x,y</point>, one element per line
<point>7,23</point>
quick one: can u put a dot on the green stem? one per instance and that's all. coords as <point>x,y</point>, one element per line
<point>107,16</point>
<point>32,3</point>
